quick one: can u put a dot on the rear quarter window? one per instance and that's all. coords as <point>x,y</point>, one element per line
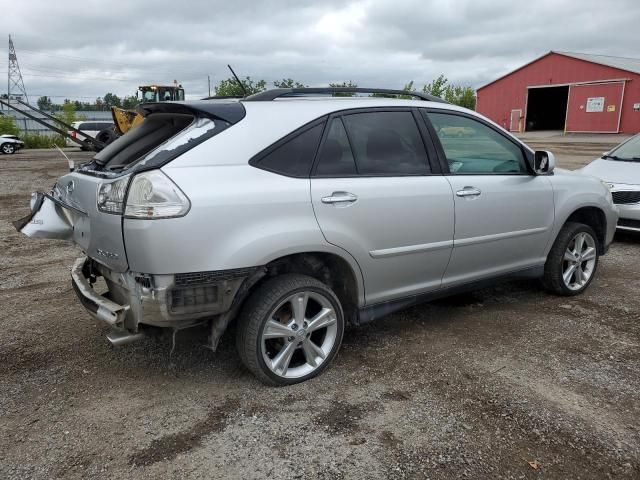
<point>293,155</point>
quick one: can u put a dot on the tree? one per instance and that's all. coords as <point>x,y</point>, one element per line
<point>68,114</point>
<point>464,96</point>
<point>436,87</point>
<point>112,100</point>
<point>45,103</point>
<point>288,83</point>
<point>130,102</point>
<point>8,126</point>
<point>231,88</point>
<point>348,84</point>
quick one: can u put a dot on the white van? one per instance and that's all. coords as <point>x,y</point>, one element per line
<point>90,128</point>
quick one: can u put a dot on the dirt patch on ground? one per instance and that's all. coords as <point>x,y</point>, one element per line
<point>474,386</point>
<point>169,446</point>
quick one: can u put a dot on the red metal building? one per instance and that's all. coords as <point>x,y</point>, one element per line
<point>574,92</point>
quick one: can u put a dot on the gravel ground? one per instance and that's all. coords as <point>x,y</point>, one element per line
<point>507,382</point>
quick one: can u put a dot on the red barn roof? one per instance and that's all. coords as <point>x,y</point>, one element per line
<point>621,63</point>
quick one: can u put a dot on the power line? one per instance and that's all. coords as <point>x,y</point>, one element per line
<point>76,77</point>
<point>79,59</point>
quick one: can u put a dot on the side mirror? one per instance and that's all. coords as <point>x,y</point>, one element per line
<point>544,162</point>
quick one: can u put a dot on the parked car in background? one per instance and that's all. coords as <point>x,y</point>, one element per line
<point>455,132</point>
<point>620,169</point>
<point>294,216</point>
<point>97,129</point>
<point>10,144</point>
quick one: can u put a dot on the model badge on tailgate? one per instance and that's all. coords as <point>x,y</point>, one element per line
<point>104,253</point>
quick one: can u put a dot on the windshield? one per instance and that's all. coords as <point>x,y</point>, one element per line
<point>149,96</point>
<point>629,150</point>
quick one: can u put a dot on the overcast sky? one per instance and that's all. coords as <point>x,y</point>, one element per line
<point>84,49</point>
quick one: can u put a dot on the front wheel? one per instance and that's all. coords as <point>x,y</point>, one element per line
<point>7,148</point>
<point>572,261</point>
<point>290,329</point>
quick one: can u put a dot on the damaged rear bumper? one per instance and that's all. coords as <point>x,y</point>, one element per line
<point>97,305</point>
<point>135,299</point>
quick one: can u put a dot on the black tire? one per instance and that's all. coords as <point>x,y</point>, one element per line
<point>107,135</point>
<point>553,269</point>
<point>256,311</point>
<point>7,148</point>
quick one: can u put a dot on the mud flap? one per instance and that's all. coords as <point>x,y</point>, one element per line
<point>48,219</point>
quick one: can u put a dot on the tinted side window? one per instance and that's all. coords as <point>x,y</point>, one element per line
<point>335,157</point>
<point>386,143</point>
<point>294,157</point>
<point>472,147</point>
<point>85,126</point>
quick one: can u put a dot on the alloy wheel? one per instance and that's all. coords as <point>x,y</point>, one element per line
<point>299,334</point>
<point>7,148</point>
<point>579,261</point>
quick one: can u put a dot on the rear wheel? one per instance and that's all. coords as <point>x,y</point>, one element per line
<point>572,261</point>
<point>7,148</point>
<point>290,329</point>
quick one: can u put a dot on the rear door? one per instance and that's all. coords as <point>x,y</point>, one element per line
<point>503,213</point>
<point>376,196</point>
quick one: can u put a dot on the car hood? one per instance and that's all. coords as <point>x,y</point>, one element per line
<point>614,171</point>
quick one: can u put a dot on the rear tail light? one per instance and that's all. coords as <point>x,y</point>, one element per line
<point>150,195</point>
<point>73,134</point>
<point>153,195</point>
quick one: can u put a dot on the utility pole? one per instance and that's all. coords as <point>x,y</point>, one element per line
<point>209,82</point>
<point>14,77</point>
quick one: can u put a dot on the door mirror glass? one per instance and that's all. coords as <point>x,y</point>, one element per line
<point>544,162</point>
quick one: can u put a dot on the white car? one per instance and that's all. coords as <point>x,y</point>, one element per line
<point>90,128</point>
<point>10,144</point>
<point>620,169</point>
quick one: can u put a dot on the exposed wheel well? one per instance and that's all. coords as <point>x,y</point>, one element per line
<point>595,218</point>
<point>330,269</point>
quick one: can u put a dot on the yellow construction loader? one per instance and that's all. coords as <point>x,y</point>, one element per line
<point>125,120</point>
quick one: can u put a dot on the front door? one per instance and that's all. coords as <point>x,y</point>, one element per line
<point>374,196</point>
<point>503,213</point>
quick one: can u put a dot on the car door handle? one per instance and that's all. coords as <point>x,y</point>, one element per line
<point>468,192</point>
<point>340,197</point>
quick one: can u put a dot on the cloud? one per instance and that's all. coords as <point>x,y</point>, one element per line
<point>67,49</point>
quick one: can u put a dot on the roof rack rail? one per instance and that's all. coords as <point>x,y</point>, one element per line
<point>275,93</point>
<point>222,97</point>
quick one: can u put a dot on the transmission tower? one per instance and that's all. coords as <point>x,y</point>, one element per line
<point>14,77</point>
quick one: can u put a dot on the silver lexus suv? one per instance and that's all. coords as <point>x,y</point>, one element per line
<point>294,212</point>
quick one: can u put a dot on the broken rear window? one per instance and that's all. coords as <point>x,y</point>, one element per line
<point>158,140</point>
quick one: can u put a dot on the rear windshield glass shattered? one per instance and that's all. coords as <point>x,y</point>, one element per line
<point>158,140</point>
<point>201,128</point>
